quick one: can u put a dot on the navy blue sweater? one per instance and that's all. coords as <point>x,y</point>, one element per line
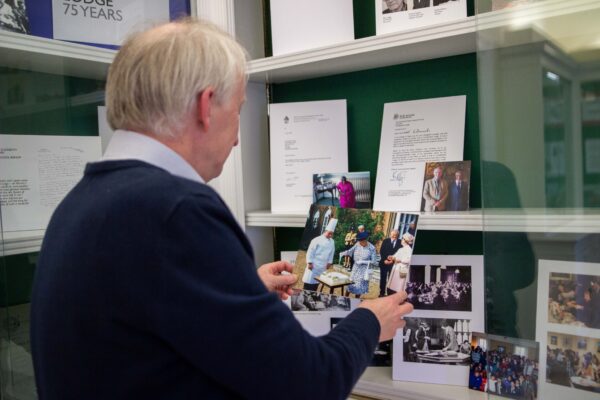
<point>146,288</point>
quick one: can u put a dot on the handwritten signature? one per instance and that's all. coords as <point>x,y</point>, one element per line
<point>399,177</point>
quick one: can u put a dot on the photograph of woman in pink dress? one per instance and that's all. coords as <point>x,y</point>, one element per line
<point>347,196</point>
<point>342,189</point>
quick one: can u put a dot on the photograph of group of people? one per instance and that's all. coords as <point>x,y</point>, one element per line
<point>345,190</point>
<point>446,186</point>
<point>392,6</point>
<point>504,366</point>
<point>574,299</point>
<point>440,287</point>
<point>303,300</point>
<point>437,341</point>
<point>369,251</point>
<point>573,361</point>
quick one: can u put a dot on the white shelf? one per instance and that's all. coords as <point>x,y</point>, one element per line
<point>377,383</point>
<point>497,220</point>
<point>53,56</point>
<point>371,52</point>
<point>527,220</point>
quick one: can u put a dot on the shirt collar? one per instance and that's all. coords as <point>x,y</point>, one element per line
<point>128,145</point>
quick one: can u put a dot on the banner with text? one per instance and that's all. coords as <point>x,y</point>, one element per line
<point>105,21</point>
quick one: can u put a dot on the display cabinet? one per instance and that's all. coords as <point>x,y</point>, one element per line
<point>532,77</point>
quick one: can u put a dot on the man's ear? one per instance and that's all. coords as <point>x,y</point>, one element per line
<point>204,105</point>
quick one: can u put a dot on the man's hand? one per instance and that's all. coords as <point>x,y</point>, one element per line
<point>389,311</point>
<point>275,281</point>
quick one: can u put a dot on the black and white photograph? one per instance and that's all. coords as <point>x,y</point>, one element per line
<point>442,2</point>
<point>304,300</point>
<point>345,190</point>
<point>573,361</point>
<point>440,287</point>
<point>436,340</point>
<point>574,299</point>
<point>13,16</point>
<point>393,6</point>
<point>503,366</point>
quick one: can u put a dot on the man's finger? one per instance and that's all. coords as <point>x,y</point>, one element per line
<point>287,266</point>
<point>285,280</point>
<point>406,308</point>
<point>399,297</point>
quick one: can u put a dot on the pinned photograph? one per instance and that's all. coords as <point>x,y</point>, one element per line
<point>436,341</point>
<point>345,190</point>
<point>346,251</point>
<point>446,186</point>
<point>573,361</point>
<point>503,366</point>
<point>440,287</point>
<point>574,299</point>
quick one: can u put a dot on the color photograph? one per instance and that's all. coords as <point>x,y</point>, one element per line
<point>446,186</point>
<point>574,299</point>
<point>356,253</point>
<point>573,361</point>
<point>503,366</point>
<point>345,190</point>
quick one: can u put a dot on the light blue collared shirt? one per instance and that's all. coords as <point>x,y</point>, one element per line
<point>128,145</point>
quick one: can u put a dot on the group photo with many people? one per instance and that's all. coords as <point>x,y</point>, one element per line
<point>504,367</point>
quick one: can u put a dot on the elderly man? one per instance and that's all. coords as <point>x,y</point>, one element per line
<point>319,256</point>
<point>458,193</point>
<point>389,247</point>
<point>435,192</point>
<point>146,286</point>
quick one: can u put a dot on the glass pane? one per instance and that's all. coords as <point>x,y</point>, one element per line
<point>539,95</point>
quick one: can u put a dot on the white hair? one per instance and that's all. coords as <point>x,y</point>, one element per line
<point>154,81</point>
